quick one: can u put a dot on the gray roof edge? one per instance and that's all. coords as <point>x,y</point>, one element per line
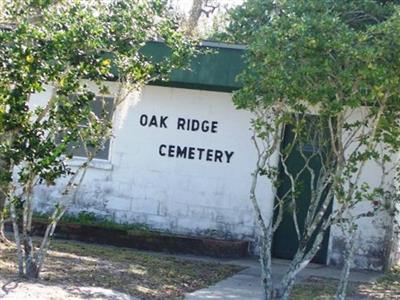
<point>213,44</point>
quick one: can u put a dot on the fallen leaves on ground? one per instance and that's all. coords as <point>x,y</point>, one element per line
<point>385,288</point>
<point>147,276</point>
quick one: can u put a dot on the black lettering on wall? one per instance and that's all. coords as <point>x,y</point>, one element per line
<point>171,151</point>
<point>209,155</point>
<point>201,150</point>
<point>228,156</point>
<point>153,121</point>
<point>163,121</point>
<point>181,152</point>
<point>205,126</point>
<point>188,152</point>
<point>218,156</point>
<point>143,120</point>
<point>191,153</point>
<point>194,153</point>
<point>160,150</point>
<point>195,125</point>
<point>181,124</point>
<point>214,125</point>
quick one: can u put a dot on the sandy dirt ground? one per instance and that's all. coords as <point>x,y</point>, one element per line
<point>16,290</point>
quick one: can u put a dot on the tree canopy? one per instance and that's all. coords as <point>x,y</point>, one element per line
<point>60,46</point>
<point>334,54</point>
<point>245,20</point>
<point>322,81</point>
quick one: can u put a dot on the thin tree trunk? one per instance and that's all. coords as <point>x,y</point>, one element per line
<point>30,265</point>
<point>267,230</point>
<point>348,260</point>
<point>3,237</point>
<point>17,239</point>
<point>194,16</point>
<point>266,236</point>
<point>3,198</point>
<point>299,262</point>
<point>266,266</point>
<point>50,229</point>
<point>58,214</point>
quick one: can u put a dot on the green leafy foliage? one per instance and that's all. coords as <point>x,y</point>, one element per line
<point>69,49</point>
<point>327,58</point>
<point>322,81</point>
<point>60,44</point>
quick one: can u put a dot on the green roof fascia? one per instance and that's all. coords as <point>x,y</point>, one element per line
<point>215,70</point>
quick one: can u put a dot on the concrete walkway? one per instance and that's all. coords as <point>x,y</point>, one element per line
<point>246,284</point>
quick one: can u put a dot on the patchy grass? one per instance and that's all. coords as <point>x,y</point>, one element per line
<point>153,276</point>
<point>387,288</point>
<point>314,288</point>
<point>147,276</point>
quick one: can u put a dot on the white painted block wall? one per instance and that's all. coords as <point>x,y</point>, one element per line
<point>176,194</point>
<point>371,240</point>
<point>195,197</point>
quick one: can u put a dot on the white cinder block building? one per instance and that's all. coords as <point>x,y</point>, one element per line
<point>181,161</point>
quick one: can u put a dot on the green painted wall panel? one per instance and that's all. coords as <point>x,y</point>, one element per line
<point>215,70</point>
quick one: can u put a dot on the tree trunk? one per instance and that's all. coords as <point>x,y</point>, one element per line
<point>266,266</point>
<point>348,260</point>
<point>266,234</point>
<point>31,270</point>
<point>194,16</point>
<point>3,198</point>
<point>283,292</point>
<point>20,254</point>
<point>3,238</point>
<point>4,167</point>
<point>301,259</point>
<point>30,263</point>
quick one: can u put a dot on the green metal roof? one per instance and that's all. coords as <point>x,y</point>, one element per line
<point>214,71</point>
